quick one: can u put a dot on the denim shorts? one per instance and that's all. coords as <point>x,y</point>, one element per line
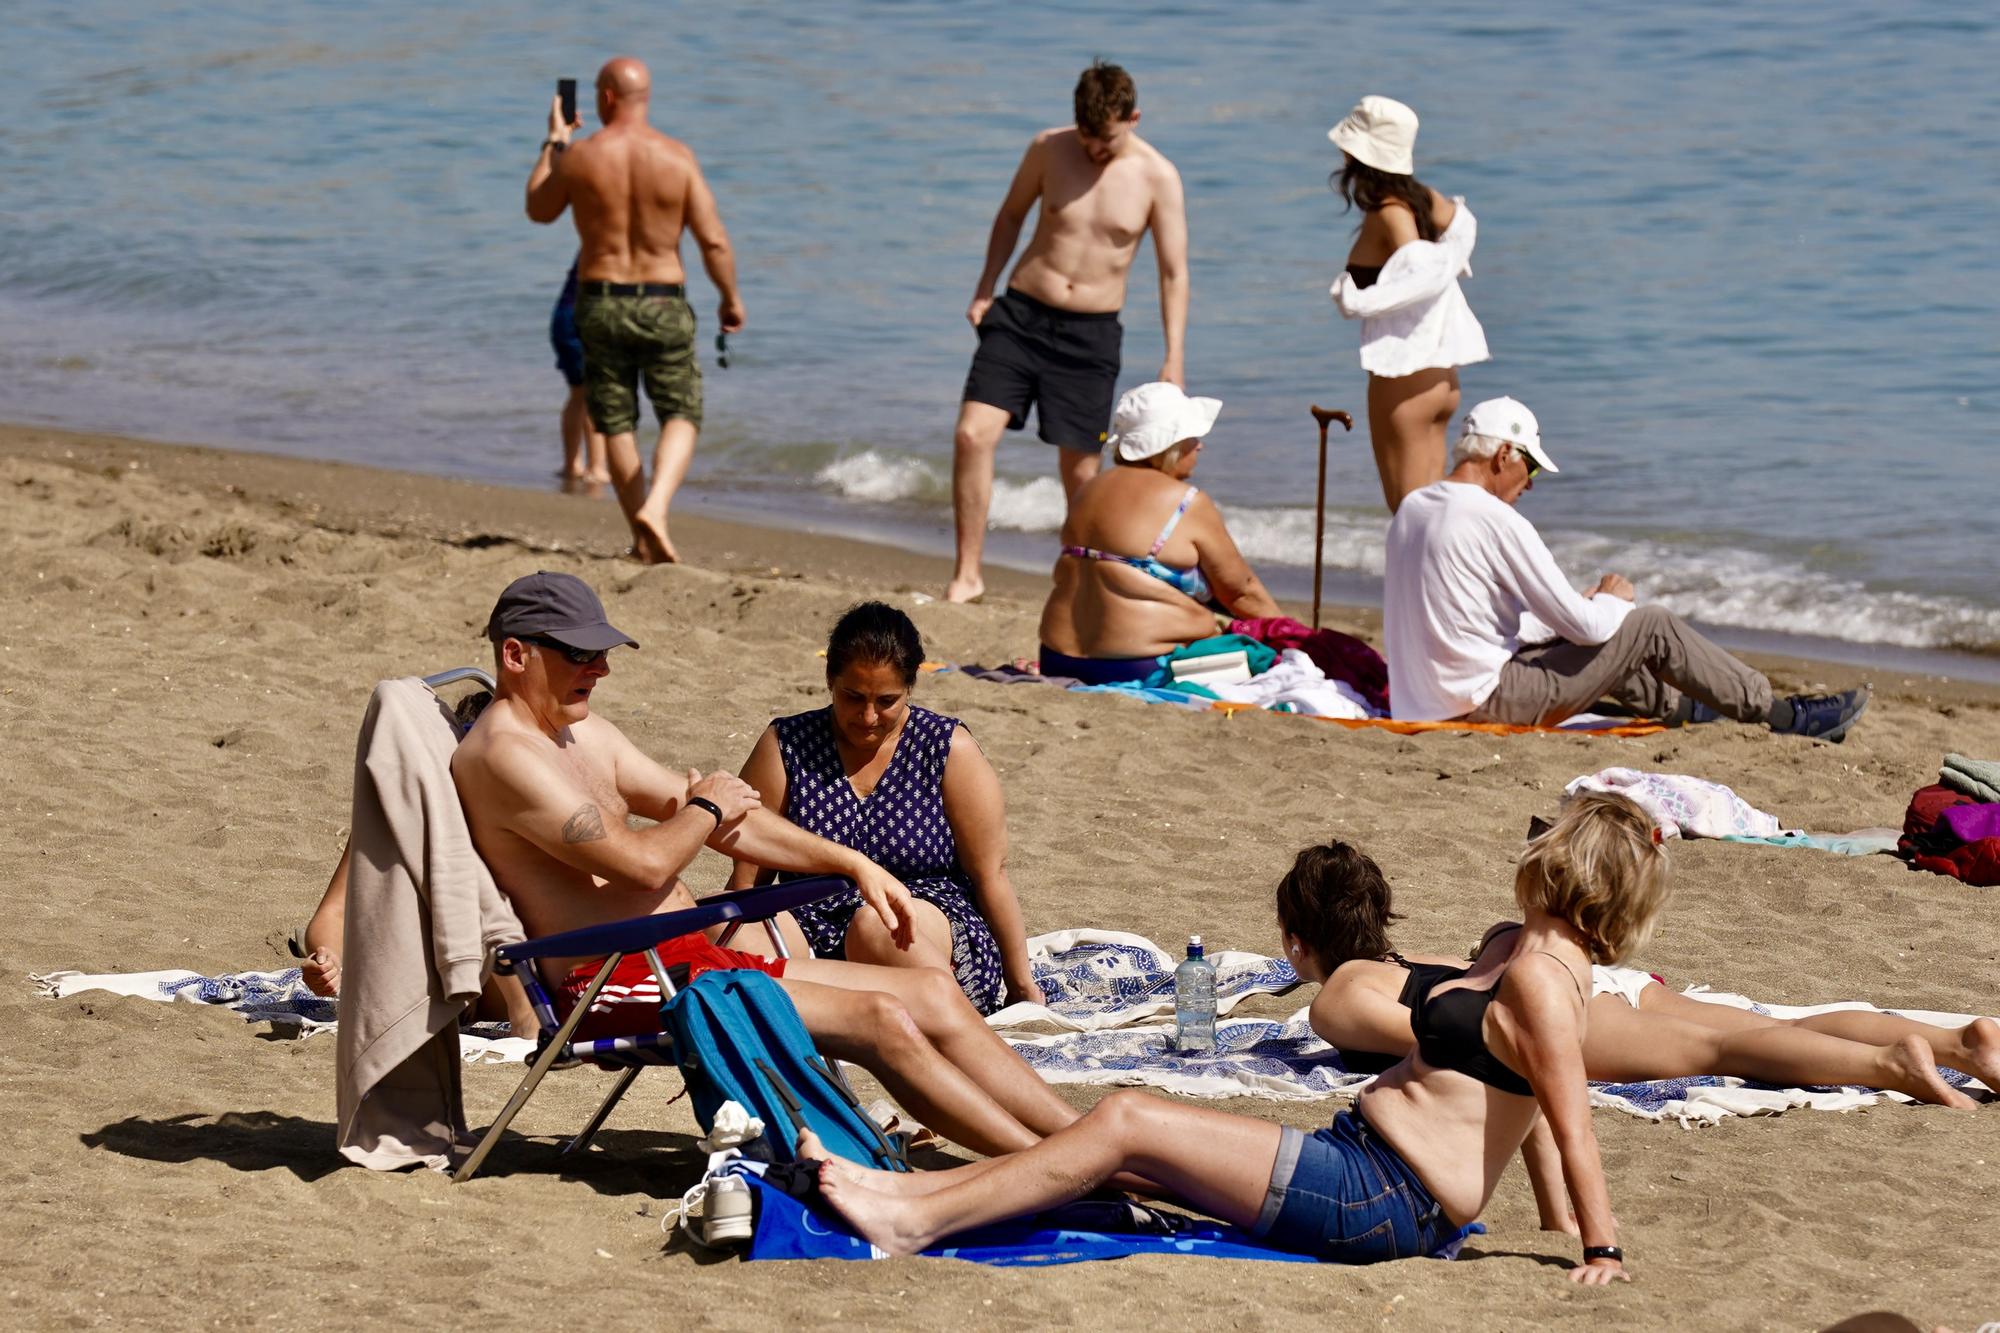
<point>1344,1196</point>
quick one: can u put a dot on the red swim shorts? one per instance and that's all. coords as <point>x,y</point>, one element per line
<point>629,1004</point>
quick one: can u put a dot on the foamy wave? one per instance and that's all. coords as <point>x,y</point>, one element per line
<point>882,478</point>
<point>1028,506</point>
<point>1731,586</point>
<point>1285,537</point>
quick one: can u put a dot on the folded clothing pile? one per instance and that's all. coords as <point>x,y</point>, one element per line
<point>1953,826</point>
<point>1341,657</point>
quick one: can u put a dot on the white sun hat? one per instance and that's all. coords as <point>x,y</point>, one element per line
<point>1155,417</point>
<point>1381,133</point>
<point>1508,419</point>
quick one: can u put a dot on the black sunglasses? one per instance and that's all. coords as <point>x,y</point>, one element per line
<point>576,656</point>
<point>1534,468</point>
<point>722,350</point>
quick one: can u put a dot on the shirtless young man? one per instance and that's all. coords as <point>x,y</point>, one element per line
<point>632,190</point>
<point>547,786</point>
<point>1052,339</point>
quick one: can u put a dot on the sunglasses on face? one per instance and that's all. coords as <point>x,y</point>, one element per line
<point>1534,468</point>
<point>576,656</point>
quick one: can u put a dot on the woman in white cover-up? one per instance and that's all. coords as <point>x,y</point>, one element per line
<point>1401,282</point>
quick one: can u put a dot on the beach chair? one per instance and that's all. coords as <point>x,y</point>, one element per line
<point>629,1055</point>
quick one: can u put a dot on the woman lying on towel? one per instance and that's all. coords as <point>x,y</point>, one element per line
<point>1421,1152</point>
<point>1144,553</point>
<point>909,789</point>
<point>1333,908</point>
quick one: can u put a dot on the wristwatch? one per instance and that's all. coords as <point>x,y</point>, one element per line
<point>1611,1252</point>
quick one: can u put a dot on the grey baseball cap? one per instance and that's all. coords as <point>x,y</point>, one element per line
<point>554,606</point>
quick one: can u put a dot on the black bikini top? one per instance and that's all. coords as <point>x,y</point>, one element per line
<point>1364,275</point>
<point>1451,1032</point>
<point>1417,985</point>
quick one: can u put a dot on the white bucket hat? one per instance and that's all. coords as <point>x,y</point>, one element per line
<point>1381,133</point>
<point>1155,417</point>
<point>1508,419</point>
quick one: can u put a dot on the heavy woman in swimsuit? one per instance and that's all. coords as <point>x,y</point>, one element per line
<point>1144,553</point>
<point>1498,1049</point>
<point>1401,282</point>
<point>1333,910</point>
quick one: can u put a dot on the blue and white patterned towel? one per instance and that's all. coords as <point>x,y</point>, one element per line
<point>261,997</point>
<point>1096,979</point>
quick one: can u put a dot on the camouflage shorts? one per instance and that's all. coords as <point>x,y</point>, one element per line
<point>630,338</point>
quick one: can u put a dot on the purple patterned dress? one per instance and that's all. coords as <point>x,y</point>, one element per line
<point>901,826</point>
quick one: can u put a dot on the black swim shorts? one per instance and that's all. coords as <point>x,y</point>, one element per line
<point>1062,362</point>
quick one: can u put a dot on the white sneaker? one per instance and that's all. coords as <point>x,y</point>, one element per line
<point>725,1212</point>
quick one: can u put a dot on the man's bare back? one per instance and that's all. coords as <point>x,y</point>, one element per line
<point>1093,215</point>
<point>628,192</point>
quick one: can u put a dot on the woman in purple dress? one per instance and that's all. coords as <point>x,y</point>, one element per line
<point>910,789</point>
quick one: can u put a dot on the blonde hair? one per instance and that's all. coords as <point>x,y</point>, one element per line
<point>1168,458</point>
<point>1601,868</point>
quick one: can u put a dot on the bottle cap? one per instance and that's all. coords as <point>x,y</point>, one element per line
<point>1194,946</point>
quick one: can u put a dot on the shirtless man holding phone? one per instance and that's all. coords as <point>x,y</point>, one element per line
<point>1052,339</point>
<point>632,191</point>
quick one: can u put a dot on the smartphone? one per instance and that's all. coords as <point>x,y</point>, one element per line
<point>566,90</point>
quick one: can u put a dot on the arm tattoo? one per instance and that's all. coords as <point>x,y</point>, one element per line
<point>586,825</point>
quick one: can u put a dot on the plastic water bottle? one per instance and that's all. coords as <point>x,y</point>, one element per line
<point>1194,1002</point>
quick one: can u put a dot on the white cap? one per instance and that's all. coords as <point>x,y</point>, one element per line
<point>1381,133</point>
<point>1508,419</point>
<point>1155,417</point>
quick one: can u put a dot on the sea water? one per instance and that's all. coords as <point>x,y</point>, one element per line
<point>1735,257</point>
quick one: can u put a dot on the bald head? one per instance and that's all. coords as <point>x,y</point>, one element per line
<point>624,78</point>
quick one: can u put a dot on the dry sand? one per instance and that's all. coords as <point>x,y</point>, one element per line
<point>188,641</point>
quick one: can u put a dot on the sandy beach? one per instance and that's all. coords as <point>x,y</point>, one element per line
<point>189,639</point>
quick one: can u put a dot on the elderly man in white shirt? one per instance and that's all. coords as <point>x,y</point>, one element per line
<point>1465,569</point>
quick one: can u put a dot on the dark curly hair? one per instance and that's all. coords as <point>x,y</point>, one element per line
<point>1367,188</point>
<point>875,632</point>
<point>1335,902</point>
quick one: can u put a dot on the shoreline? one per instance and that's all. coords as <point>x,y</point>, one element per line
<point>722,535</point>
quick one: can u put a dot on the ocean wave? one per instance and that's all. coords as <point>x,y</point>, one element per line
<point>882,479</point>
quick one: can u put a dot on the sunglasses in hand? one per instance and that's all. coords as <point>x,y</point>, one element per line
<point>722,350</point>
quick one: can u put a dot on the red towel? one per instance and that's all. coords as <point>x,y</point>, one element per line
<point>1931,845</point>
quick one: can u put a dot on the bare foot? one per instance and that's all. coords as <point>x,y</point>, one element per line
<point>649,536</point>
<point>895,1184</point>
<point>598,478</point>
<point>883,1220</point>
<point>1915,1073</point>
<point>964,590</point>
<point>1981,1040</point>
<point>649,544</point>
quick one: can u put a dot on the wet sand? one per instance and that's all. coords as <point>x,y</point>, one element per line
<point>190,636</point>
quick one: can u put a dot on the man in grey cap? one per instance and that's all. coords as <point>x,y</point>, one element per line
<point>547,786</point>
<point>1468,583</point>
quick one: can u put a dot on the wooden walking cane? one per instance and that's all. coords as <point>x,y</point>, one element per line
<point>1323,416</point>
